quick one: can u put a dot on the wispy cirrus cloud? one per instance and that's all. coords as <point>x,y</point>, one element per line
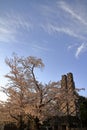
<point>6,34</point>
<point>50,28</point>
<point>10,26</point>
<point>65,18</point>
<point>72,46</point>
<point>79,49</point>
<point>77,17</point>
<point>19,21</point>
<point>71,11</point>
<point>40,48</point>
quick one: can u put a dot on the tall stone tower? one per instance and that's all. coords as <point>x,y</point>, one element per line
<point>68,101</point>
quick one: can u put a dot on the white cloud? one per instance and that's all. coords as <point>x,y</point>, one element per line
<point>72,12</point>
<point>81,49</point>
<point>6,34</point>
<point>72,46</point>
<point>18,20</point>
<point>50,28</point>
<point>10,26</point>
<point>39,48</point>
<point>65,18</point>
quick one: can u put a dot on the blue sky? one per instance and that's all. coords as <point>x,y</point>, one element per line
<point>53,30</point>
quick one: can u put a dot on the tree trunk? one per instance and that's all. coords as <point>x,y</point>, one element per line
<point>20,124</point>
<point>33,124</point>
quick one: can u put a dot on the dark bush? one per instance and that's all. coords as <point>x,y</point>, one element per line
<point>10,126</point>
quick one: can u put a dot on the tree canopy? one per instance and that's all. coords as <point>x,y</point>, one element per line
<point>28,97</point>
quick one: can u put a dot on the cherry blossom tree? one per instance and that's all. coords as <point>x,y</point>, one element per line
<point>28,99</point>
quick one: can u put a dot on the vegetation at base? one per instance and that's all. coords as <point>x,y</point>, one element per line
<point>83,110</point>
